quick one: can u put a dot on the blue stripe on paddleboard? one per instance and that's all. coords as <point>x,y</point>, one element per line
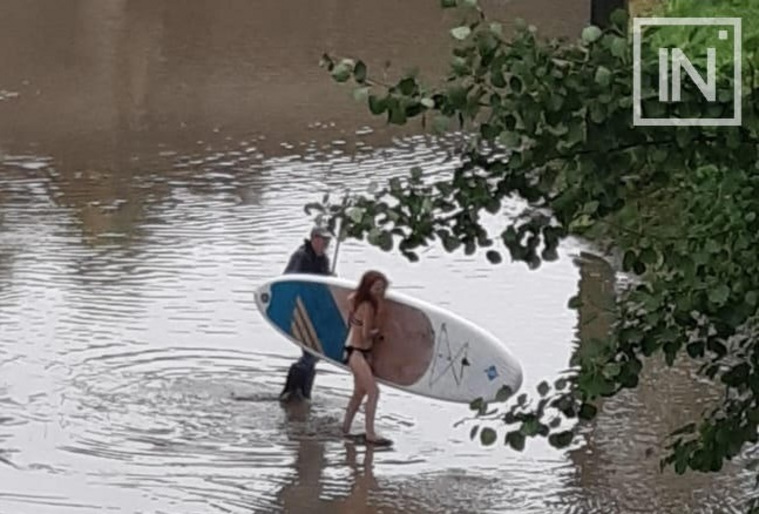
<point>322,311</point>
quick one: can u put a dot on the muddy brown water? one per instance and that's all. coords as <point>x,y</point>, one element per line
<point>154,160</point>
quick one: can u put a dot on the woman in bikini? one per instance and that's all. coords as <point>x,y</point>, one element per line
<point>364,319</point>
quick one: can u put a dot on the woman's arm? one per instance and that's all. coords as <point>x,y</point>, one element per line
<point>367,316</point>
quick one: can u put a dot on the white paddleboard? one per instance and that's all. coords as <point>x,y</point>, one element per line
<point>426,350</point>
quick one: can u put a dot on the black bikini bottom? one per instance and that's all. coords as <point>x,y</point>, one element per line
<point>350,349</point>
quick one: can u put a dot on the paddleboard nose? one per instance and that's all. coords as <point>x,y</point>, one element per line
<point>263,296</point>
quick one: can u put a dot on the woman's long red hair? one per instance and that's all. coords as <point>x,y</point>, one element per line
<point>363,292</point>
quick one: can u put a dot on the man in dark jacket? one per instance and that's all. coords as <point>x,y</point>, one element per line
<point>310,257</point>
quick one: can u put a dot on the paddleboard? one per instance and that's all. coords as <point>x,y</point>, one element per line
<point>426,350</point>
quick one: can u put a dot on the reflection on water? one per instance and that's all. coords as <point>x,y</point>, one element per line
<point>153,167</point>
<point>618,466</point>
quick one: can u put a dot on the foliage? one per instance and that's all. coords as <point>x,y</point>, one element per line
<point>694,40</point>
<point>551,122</point>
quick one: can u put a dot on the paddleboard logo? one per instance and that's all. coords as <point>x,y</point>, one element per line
<point>491,372</point>
<point>303,329</point>
<point>448,360</point>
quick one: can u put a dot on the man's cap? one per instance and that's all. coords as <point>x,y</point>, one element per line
<point>321,232</point>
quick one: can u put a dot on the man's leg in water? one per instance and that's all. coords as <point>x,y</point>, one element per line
<point>300,378</point>
<point>308,362</point>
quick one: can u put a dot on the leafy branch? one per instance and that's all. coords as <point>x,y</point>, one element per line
<point>551,122</point>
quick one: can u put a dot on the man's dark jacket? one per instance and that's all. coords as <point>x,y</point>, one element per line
<point>305,260</point>
<point>300,377</point>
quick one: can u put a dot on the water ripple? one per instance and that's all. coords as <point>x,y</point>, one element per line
<point>136,369</point>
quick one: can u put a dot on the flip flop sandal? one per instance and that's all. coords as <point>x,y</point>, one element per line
<point>382,441</point>
<point>361,438</point>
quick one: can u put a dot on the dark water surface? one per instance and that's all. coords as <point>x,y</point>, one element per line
<point>154,160</point>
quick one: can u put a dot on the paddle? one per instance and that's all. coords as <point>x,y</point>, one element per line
<point>337,245</point>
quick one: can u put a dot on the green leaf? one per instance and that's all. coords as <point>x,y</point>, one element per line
<point>510,140</point>
<point>359,72</point>
<point>374,236</point>
<point>649,256</point>
<point>476,404</point>
<point>619,18</point>
<point>603,76</point>
<point>447,4</point>
<point>488,436</point>
<point>751,298</point>
<point>516,440</point>
<point>360,94</point>
<point>515,83</point>
<point>695,349</point>
<point>683,137</point>
<point>377,105</point>
<point>450,243</point>
<point>385,241</point>
<point>574,303</point>
<point>341,73</point>
<point>355,214</point>
<point>590,207</point>
<point>719,294</point>
<point>543,388</point>
<point>591,34</point>
<point>503,394</point>
<point>597,113</point>
<point>530,427</point>
<point>488,131</point>
<point>659,155</point>
<point>440,123</point>
<point>457,96</point>
<point>558,130</point>
<point>587,412</point>
<point>494,257</point>
<point>473,432</point>
<point>460,66</point>
<point>407,86</point>
<point>619,47</point>
<point>497,79</point>
<point>576,133</point>
<point>461,32</point>
<point>737,375</point>
<point>612,369</point>
<point>670,352</point>
<point>561,440</point>
<point>397,114</point>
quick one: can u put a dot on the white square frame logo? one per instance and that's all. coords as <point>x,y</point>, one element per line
<point>639,121</point>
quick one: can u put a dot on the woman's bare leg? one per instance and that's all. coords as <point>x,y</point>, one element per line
<point>365,382</point>
<point>353,403</point>
<point>371,410</point>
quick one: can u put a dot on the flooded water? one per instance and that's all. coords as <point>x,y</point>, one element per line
<point>155,157</point>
